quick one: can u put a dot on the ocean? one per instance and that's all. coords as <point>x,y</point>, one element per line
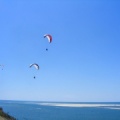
<point>35,110</point>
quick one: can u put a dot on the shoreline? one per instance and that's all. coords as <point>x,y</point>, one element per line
<point>5,116</point>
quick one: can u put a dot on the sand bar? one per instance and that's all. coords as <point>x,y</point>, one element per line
<point>79,105</point>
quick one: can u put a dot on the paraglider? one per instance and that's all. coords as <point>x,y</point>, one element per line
<point>36,66</point>
<point>49,37</point>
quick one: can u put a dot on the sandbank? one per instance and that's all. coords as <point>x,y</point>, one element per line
<point>79,105</point>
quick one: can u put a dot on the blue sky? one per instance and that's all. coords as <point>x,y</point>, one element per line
<point>83,60</point>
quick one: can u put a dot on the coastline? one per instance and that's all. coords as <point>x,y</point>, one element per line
<point>5,116</point>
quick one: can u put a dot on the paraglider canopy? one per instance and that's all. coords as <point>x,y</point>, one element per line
<point>49,37</point>
<point>35,65</point>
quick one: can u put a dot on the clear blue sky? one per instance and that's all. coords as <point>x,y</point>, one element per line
<point>83,61</point>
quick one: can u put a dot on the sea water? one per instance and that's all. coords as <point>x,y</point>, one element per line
<point>27,110</point>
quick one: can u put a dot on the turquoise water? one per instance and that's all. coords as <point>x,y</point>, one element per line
<point>26,110</point>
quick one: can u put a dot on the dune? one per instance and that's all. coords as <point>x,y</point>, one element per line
<point>5,116</point>
<point>2,118</point>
